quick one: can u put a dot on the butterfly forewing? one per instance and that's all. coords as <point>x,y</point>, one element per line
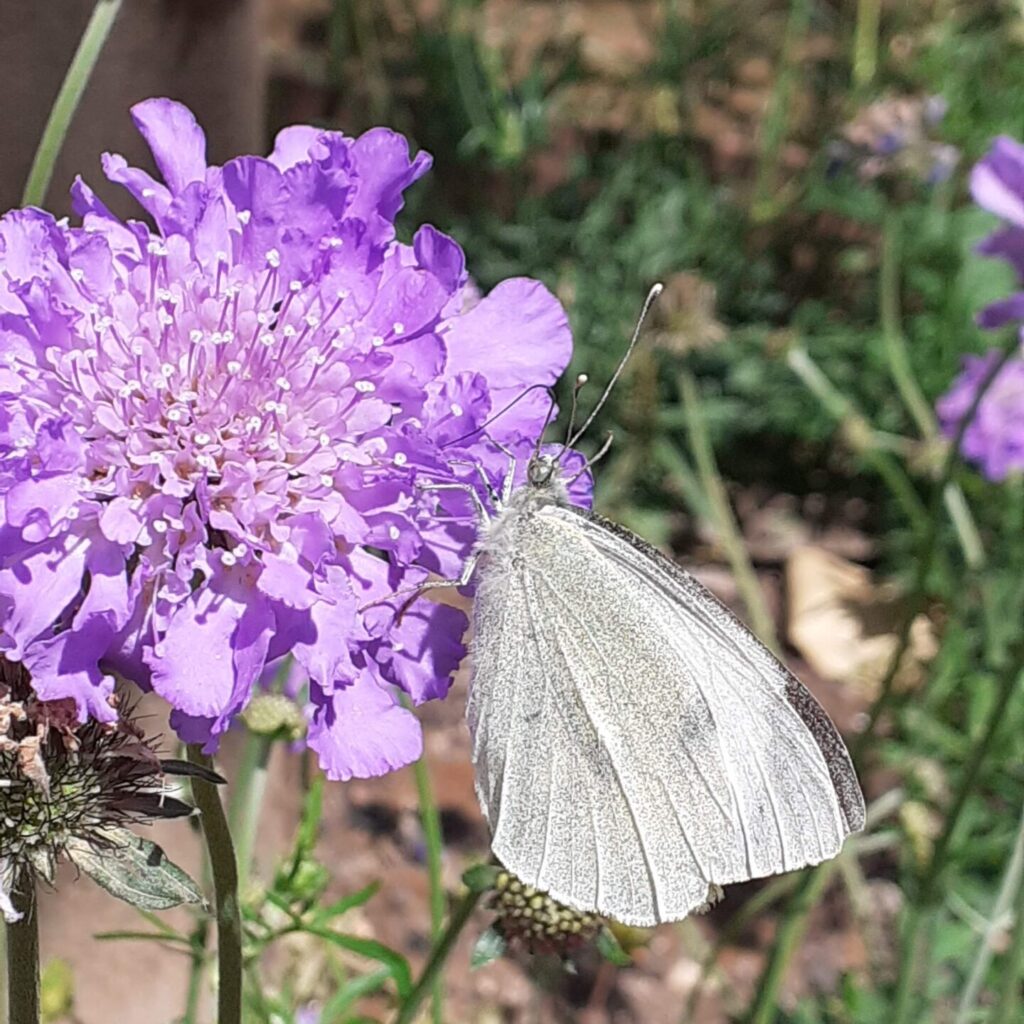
<point>633,743</point>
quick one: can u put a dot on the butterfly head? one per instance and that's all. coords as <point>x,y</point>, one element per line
<point>541,470</point>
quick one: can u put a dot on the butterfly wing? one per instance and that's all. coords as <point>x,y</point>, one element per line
<point>634,743</point>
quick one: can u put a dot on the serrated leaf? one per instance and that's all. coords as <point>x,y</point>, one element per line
<point>135,870</point>
<point>608,946</point>
<point>488,948</point>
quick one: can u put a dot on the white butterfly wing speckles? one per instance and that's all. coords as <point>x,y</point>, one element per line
<point>634,743</point>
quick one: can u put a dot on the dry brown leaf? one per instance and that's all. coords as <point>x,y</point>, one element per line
<point>845,625</point>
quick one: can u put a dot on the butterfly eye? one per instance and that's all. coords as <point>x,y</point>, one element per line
<point>540,470</point>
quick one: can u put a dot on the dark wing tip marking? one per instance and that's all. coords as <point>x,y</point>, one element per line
<point>833,750</point>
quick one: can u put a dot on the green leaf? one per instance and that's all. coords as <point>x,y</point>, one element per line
<point>488,948</point>
<point>480,877</point>
<point>372,950</point>
<point>608,946</point>
<point>346,903</point>
<point>135,870</point>
<point>351,992</point>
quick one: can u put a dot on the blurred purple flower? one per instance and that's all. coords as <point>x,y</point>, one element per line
<point>211,433</point>
<point>995,435</point>
<point>994,439</point>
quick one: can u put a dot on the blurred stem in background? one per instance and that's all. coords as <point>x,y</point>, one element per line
<point>766,202</point>
<point>462,45</point>
<point>765,1006</point>
<point>918,926</point>
<point>250,785</point>
<point>460,914</point>
<point>861,436</point>
<point>64,107</point>
<point>865,43</point>
<point>906,383</point>
<point>224,868</point>
<point>433,841</point>
<point>722,517</point>
<point>1010,889</point>
<point>1007,1007</point>
<point>23,960</point>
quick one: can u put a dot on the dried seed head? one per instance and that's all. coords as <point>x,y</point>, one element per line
<point>63,782</point>
<point>534,921</point>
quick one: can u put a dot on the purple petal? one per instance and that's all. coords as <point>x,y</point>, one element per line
<point>1002,312</point>
<point>326,655</point>
<point>1007,244</point>
<point>292,145</point>
<point>516,336</point>
<point>45,501</point>
<point>381,159</point>
<point>107,596</point>
<point>422,652</point>
<point>175,139</point>
<point>153,197</point>
<point>442,256</point>
<point>39,583</point>
<point>284,579</point>
<point>67,666</point>
<point>361,731</point>
<point>214,648</point>
<point>997,180</point>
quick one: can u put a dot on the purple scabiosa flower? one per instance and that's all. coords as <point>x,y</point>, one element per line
<point>213,426</point>
<point>994,439</point>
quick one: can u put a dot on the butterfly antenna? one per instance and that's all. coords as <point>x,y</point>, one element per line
<point>589,463</point>
<point>547,422</point>
<point>581,380</point>
<point>648,302</point>
<point>501,412</point>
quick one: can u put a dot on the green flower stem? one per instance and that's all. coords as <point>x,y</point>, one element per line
<point>23,962</point>
<point>461,913</point>
<point>1007,1008</point>
<point>431,820</point>
<point>195,976</point>
<point>865,42</point>
<point>774,891</point>
<point>1009,887</point>
<point>902,372</point>
<point>248,789</point>
<point>722,515</point>
<point>791,931</point>
<point>64,107</point>
<point>928,554</point>
<point>224,868</point>
<point>765,204</point>
<point>915,945</point>
<point>860,435</point>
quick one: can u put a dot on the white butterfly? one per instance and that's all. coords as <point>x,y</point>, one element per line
<point>635,745</point>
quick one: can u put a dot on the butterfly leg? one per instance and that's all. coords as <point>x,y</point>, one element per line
<point>482,514</point>
<point>467,569</point>
<point>508,484</point>
<point>491,493</point>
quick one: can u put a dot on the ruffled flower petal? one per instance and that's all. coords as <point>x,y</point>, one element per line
<point>360,731</point>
